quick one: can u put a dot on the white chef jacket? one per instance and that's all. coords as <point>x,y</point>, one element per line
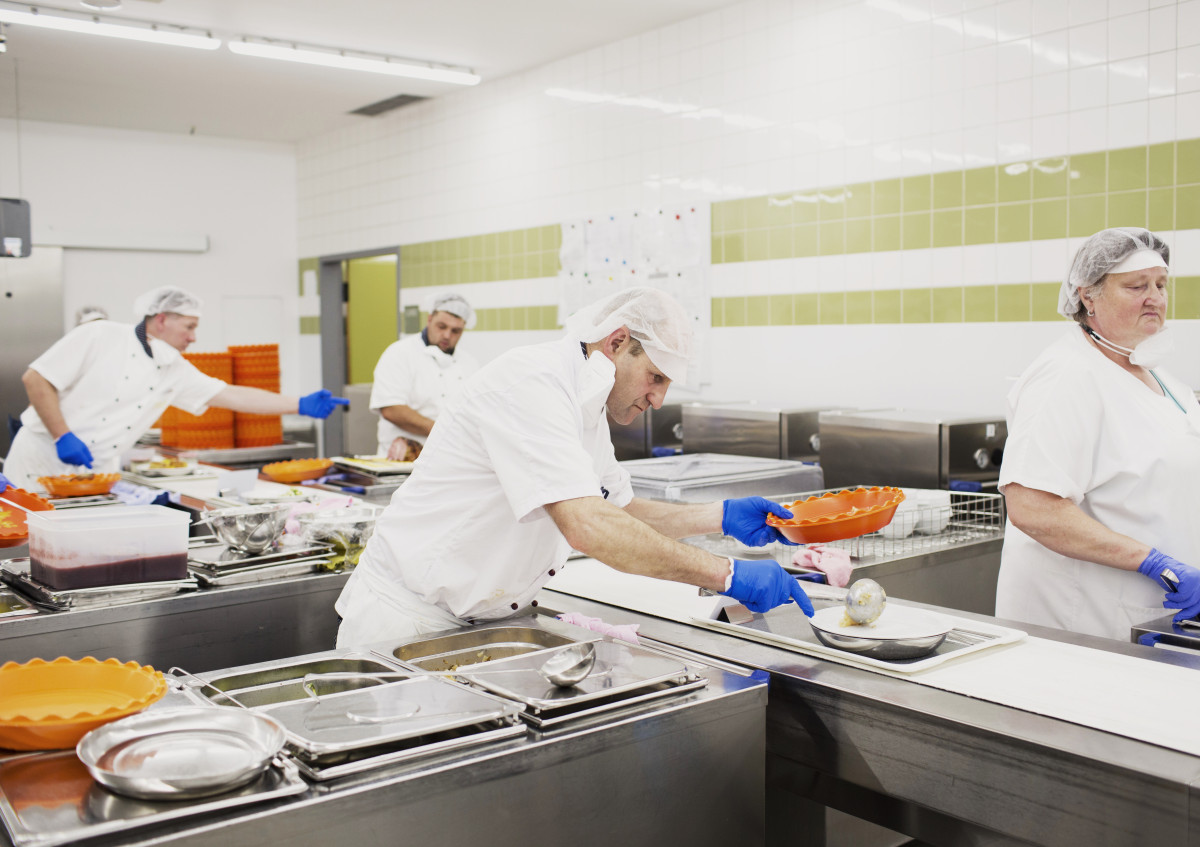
<point>418,375</point>
<point>110,393</point>
<point>466,538</point>
<point>1083,428</point>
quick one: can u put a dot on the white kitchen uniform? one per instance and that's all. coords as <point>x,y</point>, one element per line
<point>466,538</point>
<point>418,375</point>
<point>1081,427</point>
<point>110,393</point>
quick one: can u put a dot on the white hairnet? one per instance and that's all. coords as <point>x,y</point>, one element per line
<point>168,298</point>
<point>1099,256</point>
<point>456,305</point>
<point>653,317</point>
<point>90,313</point>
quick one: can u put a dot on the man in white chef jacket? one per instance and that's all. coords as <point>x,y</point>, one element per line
<point>416,376</point>
<point>520,470</point>
<point>103,384</point>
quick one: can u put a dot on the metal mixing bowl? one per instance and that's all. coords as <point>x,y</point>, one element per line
<point>882,648</point>
<point>251,529</point>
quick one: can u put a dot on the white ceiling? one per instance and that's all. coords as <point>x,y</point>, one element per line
<point>81,79</point>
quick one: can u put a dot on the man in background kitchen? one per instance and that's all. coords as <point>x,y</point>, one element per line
<point>520,470</point>
<point>416,376</point>
<point>1103,453</point>
<point>102,385</point>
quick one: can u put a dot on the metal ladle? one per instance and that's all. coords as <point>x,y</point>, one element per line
<point>865,601</point>
<point>565,667</point>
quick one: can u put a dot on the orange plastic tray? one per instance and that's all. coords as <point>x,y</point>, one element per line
<point>79,485</point>
<point>297,470</point>
<point>51,705</point>
<point>14,529</point>
<point>837,515</point>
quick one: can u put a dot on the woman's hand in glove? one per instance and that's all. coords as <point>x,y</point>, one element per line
<point>320,404</point>
<point>1181,581</point>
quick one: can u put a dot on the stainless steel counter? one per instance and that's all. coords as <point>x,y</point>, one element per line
<point>941,767</point>
<point>682,770</point>
<point>196,630</point>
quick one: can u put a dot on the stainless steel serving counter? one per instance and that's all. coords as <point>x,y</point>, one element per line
<point>941,767</point>
<point>196,630</point>
<point>683,770</point>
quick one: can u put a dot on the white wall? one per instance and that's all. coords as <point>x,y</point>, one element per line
<point>132,189</point>
<point>773,96</point>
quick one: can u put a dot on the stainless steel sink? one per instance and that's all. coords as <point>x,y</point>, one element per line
<point>284,683</point>
<point>472,647</point>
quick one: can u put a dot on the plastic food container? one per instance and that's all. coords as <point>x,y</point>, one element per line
<point>84,548</point>
<point>348,530</point>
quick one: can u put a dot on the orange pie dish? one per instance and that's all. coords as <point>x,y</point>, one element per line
<point>79,485</point>
<point>51,705</point>
<point>14,529</point>
<point>838,515</point>
<point>297,470</point>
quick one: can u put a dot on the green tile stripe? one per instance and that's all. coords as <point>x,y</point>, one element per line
<point>1030,301</point>
<point>310,324</point>
<point>1155,186</point>
<point>510,318</point>
<point>494,256</point>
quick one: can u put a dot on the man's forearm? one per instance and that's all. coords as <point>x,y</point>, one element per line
<point>621,541</point>
<point>678,520</point>
<point>407,418</point>
<point>43,396</point>
<point>254,401</point>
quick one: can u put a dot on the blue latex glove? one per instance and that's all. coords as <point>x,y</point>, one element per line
<point>320,404</point>
<point>73,451</point>
<point>746,520</point>
<point>761,586</point>
<point>1181,581</point>
<point>4,483</point>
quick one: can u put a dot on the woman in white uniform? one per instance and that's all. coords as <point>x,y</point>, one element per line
<point>1103,453</point>
<point>103,384</point>
<point>520,469</point>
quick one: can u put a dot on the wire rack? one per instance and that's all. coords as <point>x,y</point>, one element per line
<point>970,518</point>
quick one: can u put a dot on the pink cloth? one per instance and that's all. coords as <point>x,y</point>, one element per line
<point>625,632</point>
<point>834,562</point>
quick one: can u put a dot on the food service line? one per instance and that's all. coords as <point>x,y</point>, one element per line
<point>939,766</point>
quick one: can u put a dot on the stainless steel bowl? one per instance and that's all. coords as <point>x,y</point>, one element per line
<point>881,648</point>
<point>252,529</point>
<point>174,754</point>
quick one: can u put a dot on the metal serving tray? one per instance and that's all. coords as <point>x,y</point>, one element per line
<point>15,573</point>
<point>396,719</point>
<point>216,577</point>
<point>48,799</point>
<point>219,557</point>
<point>13,605</point>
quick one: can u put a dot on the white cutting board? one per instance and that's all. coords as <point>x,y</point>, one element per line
<point>675,601</point>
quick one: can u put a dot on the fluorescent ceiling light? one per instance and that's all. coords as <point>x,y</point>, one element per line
<point>347,60</point>
<point>48,18</point>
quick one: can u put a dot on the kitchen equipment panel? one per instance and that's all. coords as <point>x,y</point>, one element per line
<point>703,477</point>
<point>912,448</point>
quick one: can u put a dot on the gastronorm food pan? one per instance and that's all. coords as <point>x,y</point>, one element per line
<point>181,753</point>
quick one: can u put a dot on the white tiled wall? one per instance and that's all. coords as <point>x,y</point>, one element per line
<point>774,95</point>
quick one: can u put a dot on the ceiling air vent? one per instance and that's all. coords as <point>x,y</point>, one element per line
<point>373,109</point>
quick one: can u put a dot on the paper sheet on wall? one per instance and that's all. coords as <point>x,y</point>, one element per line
<point>660,248</point>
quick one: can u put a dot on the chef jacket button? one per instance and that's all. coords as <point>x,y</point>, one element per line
<point>515,607</point>
<point>552,572</point>
<point>533,602</point>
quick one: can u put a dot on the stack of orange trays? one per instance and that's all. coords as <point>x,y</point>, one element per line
<point>214,429</point>
<point>257,366</point>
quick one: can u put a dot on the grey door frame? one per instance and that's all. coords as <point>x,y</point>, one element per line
<point>330,286</point>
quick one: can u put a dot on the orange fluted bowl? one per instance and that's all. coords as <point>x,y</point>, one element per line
<point>838,515</point>
<point>79,485</point>
<point>297,470</point>
<point>14,529</point>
